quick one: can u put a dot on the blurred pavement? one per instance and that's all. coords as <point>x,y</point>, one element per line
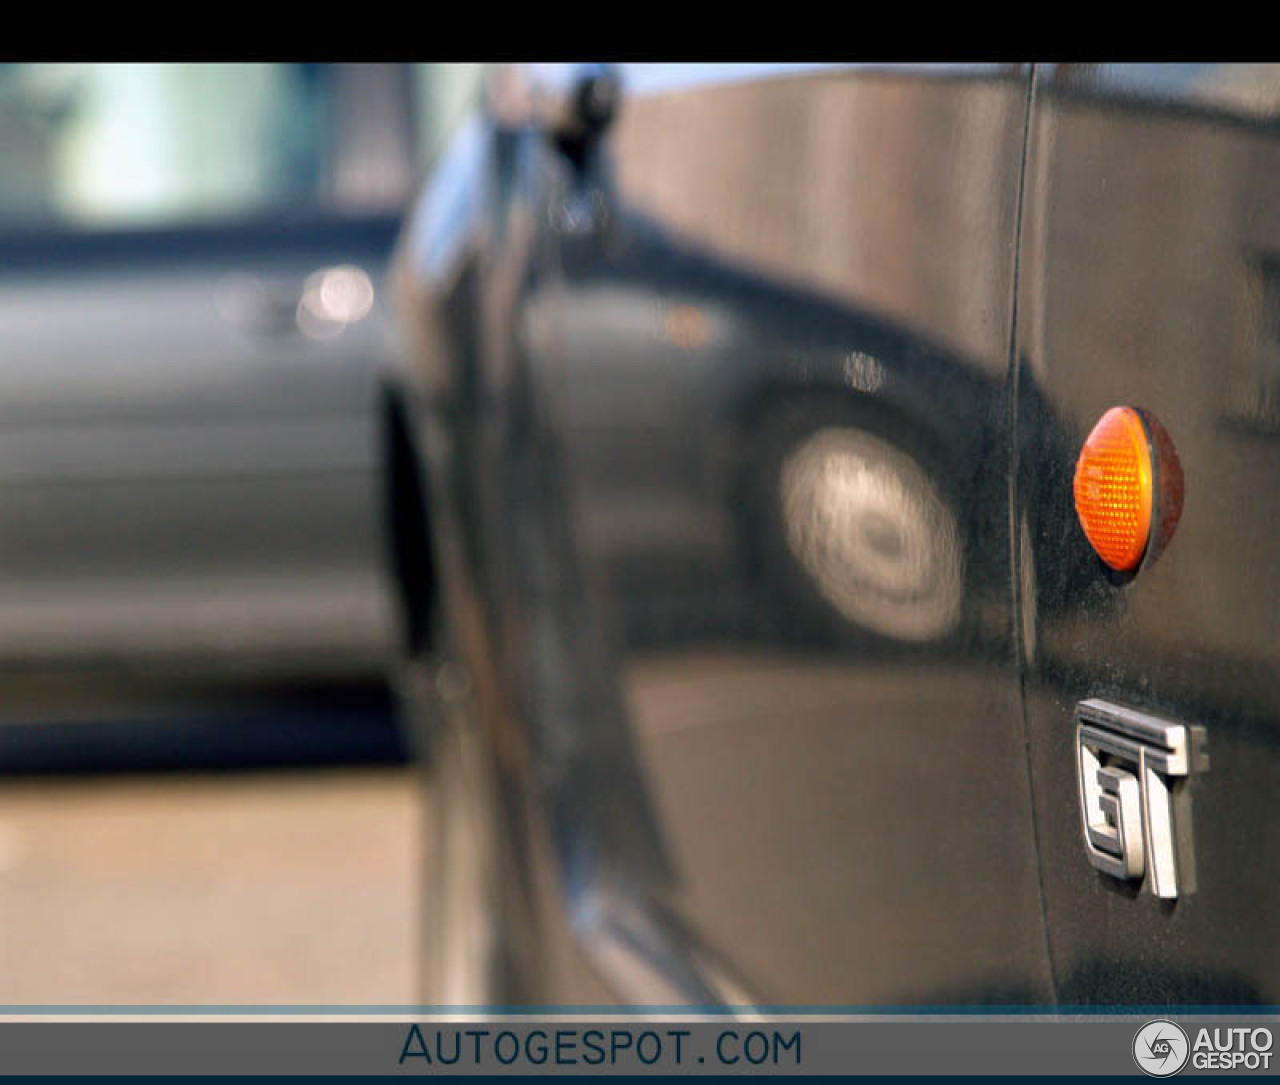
<point>286,887</point>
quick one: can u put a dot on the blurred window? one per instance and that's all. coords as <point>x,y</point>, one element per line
<point>99,146</point>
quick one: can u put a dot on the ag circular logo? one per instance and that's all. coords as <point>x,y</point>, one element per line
<point>1161,1048</point>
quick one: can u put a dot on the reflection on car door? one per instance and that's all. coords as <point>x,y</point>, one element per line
<point>780,382</point>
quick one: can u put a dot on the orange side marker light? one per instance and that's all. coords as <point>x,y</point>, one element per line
<point>1128,487</point>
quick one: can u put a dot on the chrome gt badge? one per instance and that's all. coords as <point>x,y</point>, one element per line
<point>1133,771</point>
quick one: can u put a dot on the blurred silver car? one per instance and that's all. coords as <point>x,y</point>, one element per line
<point>191,262</point>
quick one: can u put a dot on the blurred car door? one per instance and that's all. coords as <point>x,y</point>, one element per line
<point>191,263</point>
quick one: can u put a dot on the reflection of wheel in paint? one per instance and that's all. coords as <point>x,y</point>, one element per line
<point>869,528</point>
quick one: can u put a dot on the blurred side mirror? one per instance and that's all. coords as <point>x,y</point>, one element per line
<point>573,104</point>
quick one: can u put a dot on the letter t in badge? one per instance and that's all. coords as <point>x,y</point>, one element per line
<point>1133,771</point>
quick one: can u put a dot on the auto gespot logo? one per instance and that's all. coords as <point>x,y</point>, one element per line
<point>1162,1048</point>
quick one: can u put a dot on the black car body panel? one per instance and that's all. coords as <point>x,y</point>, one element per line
<point>1149,208</point>
<point>749,608</point>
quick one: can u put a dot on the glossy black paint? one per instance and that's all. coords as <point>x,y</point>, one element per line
<point>667,398</point>
<point>1149,209</point>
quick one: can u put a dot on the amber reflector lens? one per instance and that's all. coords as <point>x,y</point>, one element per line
<point>1113,488</point>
